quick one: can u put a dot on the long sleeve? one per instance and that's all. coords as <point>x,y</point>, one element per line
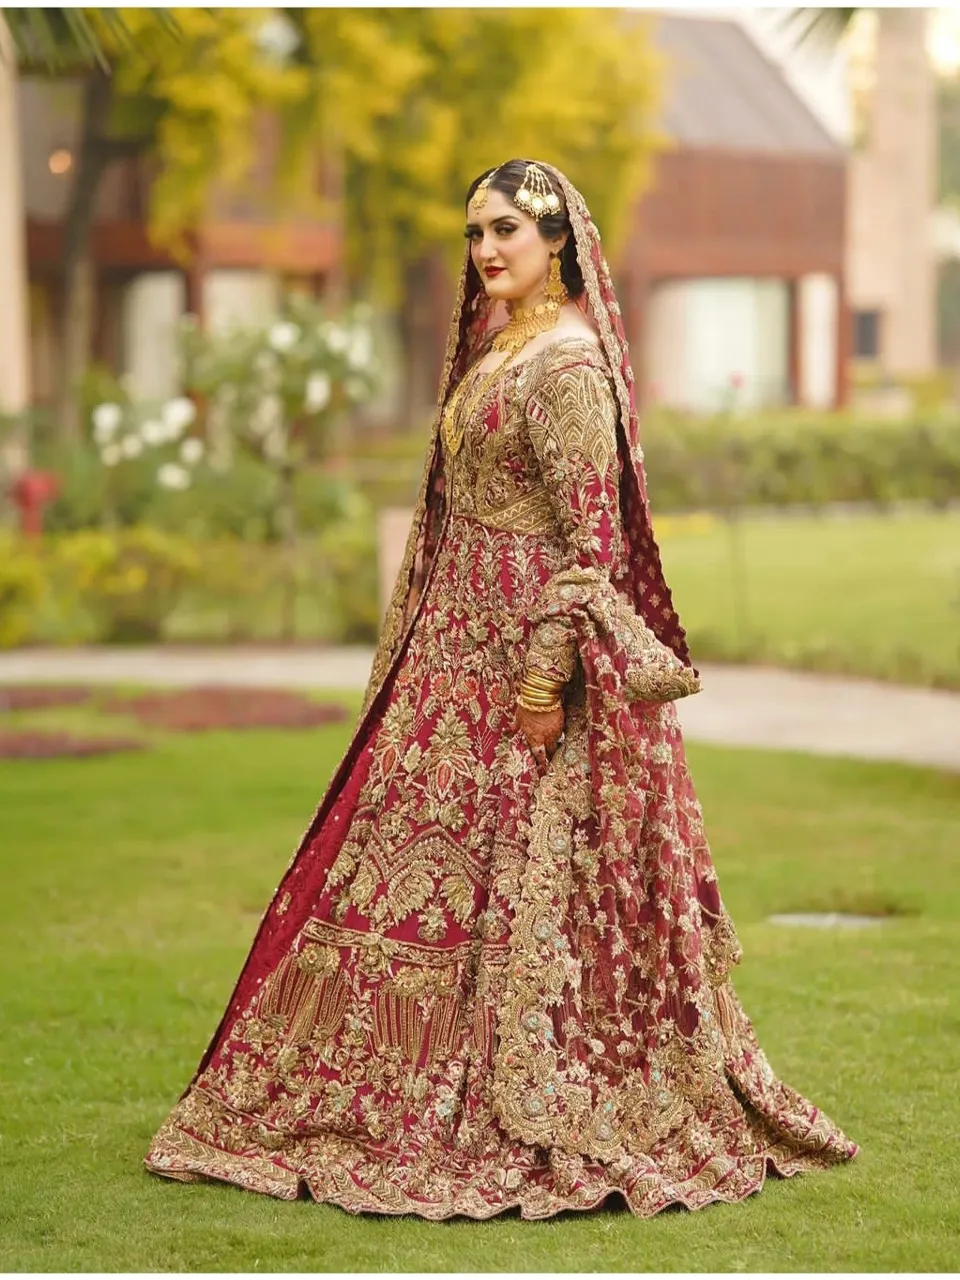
<point>572,424</point>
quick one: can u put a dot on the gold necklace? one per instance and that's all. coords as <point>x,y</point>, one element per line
<point>511,339</point>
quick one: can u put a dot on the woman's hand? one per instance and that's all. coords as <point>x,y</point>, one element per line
<point>542,730</point>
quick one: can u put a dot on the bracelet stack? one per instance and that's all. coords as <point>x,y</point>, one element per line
<point>539,693</point>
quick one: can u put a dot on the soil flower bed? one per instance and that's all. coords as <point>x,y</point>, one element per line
<point>224,707</point>
<point>36,744</point>
<point>35,697</point>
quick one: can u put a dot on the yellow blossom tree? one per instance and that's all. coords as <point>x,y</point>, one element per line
<point>408,105</point>
<point>468,88</point>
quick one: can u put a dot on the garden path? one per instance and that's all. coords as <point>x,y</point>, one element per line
<point>739,706</point>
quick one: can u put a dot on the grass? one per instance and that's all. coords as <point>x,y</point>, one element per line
<point>866,595</point>
<point>132,886</point>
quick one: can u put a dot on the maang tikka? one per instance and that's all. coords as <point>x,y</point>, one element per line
<point>535,195</point>
<point>479,198</point>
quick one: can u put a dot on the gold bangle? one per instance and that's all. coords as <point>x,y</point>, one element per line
<point>536,672</point>
<point>539,707</point>
<point>541,686</point>
<point>538,695</point>
<point>552,690</point>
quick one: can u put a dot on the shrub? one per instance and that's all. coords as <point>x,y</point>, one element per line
<point>792,457</point>
<point>348,555</point>
<point>21,590</point>
<point>128,582</point>
<point>799,460</point>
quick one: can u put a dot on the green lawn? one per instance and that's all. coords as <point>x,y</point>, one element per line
<point>867,595</point>
<point>132,886</point>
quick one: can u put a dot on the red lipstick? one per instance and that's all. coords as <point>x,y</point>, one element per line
<point>490,272</point>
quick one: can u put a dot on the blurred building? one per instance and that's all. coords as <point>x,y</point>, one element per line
<point>892,193</point>
<point>765,256</point>
<point>735,274</point>
<point>140,291</point>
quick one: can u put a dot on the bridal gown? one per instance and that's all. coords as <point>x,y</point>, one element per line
<point>482,983</point>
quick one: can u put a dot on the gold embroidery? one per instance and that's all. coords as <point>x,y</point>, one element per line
<point>484,1008</point>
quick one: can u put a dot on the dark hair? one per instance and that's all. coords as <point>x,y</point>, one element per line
<point>508,179</point>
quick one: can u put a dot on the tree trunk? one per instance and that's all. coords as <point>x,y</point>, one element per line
<point>77,299</point>
<point>288,527</point>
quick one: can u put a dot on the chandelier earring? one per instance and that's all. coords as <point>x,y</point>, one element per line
<point>555,291</point>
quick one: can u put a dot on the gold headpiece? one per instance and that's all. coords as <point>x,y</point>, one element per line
<point>536,196</point>
<point>481,193</point>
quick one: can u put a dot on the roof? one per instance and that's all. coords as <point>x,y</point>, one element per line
<point>722,91</point>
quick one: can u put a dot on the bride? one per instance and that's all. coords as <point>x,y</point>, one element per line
<point>497,972</point>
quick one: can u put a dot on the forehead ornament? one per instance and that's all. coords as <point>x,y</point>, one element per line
<point>536,196</point>
<point>483,190</point>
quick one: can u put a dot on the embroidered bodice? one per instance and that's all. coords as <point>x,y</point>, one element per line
<point>539,458</point>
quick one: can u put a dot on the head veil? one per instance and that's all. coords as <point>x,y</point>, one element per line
<point>643,581</point>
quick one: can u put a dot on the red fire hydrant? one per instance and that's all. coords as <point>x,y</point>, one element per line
<point>30,493</point>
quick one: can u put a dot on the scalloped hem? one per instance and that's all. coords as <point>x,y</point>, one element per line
<point>645,1192</point>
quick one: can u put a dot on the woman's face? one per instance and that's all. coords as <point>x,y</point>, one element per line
<point>508,251</point>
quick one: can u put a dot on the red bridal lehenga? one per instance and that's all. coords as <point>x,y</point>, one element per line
<point>484,983</point>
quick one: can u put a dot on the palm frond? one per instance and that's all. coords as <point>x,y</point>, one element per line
<point>817,24</point>
<point>59,39</point>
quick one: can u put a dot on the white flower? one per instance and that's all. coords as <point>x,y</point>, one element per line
<point>317,394</point>
<point>283,335</point>
<point>266,416</point>
<point>177,416</point>
<point>337,339</point>
<point>277,37</point>
<point>110,455</point>
<point>355,388</point>
<point>191,451</point>
<point>106,422</point>
<point>153,432</point>
<point>361,349</point>
<point>275,443</point>
<point>172,476</point>
<point>131,446</point>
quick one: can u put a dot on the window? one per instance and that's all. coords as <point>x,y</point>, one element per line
<point>866,335</point>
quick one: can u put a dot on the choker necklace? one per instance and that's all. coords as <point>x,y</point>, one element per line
<point>524,324</point>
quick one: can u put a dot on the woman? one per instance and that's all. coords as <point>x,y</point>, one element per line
<point>496,973</point>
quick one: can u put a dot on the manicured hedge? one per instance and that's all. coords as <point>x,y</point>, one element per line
<point>711,463</point>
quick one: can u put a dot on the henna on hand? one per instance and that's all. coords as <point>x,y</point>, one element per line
<point>542,730</point>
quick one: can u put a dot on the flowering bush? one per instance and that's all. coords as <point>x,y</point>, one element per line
<point>207,707</point>
<point>128,581</point>
<point>39,744</point>
<point>37,697</point>
<point>21,590</point>
<point>277,392</point>
<point>123,431</point>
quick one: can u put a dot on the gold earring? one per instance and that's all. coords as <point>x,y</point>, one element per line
<point>555,291</point>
